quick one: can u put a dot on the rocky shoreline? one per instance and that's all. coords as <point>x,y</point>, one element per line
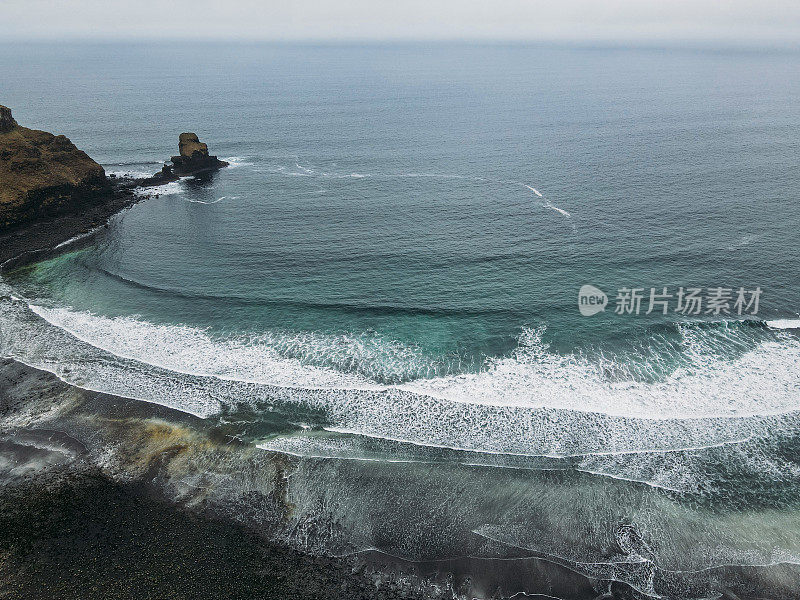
<point>51,191</point>
<point>25,242</point>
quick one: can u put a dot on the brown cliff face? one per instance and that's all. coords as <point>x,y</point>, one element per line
<point>43,175</point>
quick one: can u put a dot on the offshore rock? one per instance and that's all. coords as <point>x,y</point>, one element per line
<point>194,157</point>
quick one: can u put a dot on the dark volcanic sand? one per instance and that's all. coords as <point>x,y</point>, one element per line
<point>82,536</point>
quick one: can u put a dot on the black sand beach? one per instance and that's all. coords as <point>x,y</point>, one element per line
<point>73,528</point>
<point>81,535</point>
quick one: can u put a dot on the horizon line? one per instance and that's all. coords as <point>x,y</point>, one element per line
<point>631,41</point>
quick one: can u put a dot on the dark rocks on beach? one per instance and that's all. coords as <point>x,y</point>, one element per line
<point>82,535</point>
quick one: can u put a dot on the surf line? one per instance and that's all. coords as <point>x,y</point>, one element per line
<point>548,204</point>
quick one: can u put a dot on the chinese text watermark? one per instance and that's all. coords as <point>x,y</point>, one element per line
<point>692,301</point>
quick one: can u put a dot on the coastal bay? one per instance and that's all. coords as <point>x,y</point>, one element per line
<point>358,347</point>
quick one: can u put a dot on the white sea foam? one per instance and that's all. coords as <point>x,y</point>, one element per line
<point>237,161</point>
<point>549,204</point>
<point>558,210</point>
<point>666,469</point>
<point>534,190</point>
<point>300,170</point>
<point>167,189</point>
<point>333,448</point>
<point>220,199</point>
<point>136,170</point>
<point>535,403</point>
<point>75,238</point>
<point>762,381</point>
<point>284,171</point>
<point>345,175</point>
<point>784,324</point>
<point>192,351</point>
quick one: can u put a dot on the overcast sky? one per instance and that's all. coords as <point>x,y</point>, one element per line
<point>531,20</point>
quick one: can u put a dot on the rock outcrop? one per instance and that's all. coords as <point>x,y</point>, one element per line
<point>193,157</point>
<point>7,122</point>
<point>192,160</point>
<point>43,175</point>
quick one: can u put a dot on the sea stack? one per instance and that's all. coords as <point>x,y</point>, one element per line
<point>43,175</point>
<point>194,157</point>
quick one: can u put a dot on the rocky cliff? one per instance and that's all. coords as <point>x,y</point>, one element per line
<point>43,175</point>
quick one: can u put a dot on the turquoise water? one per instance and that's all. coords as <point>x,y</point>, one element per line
<point>390,270</point>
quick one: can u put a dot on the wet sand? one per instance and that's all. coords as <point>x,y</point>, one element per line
<point>93,505</point>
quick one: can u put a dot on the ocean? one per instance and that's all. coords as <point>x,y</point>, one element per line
<point>384,284</point>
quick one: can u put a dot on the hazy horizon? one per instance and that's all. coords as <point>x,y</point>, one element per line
<point>737,21</point>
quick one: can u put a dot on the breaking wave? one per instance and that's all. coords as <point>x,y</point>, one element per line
<point>697,432</point>
<point>534,402</point>
<point>167,189</point>
<point>237,161</point>
<point>134,169</point>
